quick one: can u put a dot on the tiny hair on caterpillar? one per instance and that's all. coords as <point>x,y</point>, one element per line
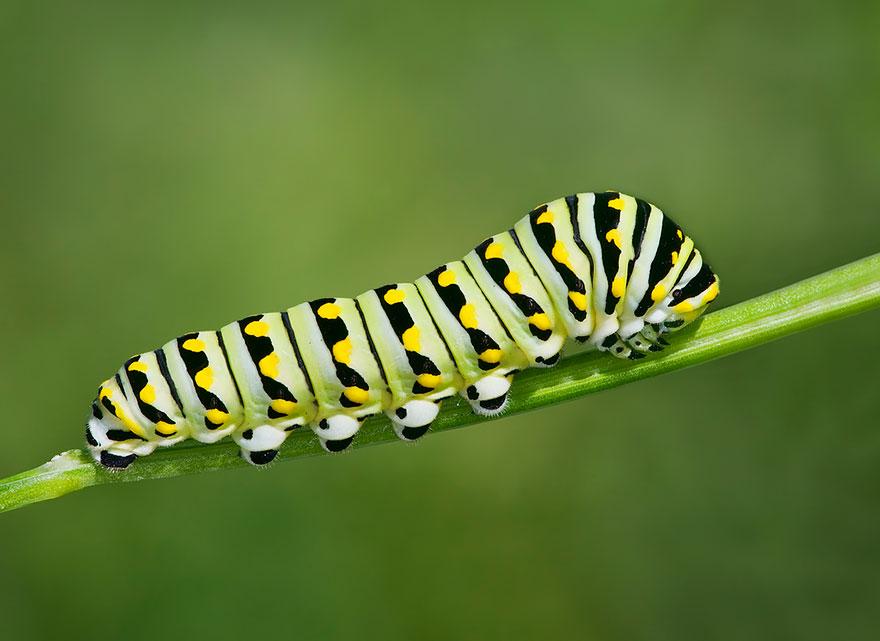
<point>605,269</point>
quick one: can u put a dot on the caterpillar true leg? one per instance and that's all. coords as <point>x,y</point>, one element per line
<point>618,348</point>
<point>602,268</point>
<point>653,335</point>
<point>637,343</point>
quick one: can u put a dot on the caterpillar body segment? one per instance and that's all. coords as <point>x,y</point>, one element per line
<point>152,405</point>
<point>606,223</point>
<point>418,368</point>
<point>198,366</point>
<point>341,365</point>
<point>519,299</point>
<point>274,388</point>
<point>604,269</point>
<point>547,238</point>
<point>484,353</point>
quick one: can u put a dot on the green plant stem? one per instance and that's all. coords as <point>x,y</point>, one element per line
<point>838,293</point>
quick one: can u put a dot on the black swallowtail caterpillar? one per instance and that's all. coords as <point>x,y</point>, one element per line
<point>604,268</point>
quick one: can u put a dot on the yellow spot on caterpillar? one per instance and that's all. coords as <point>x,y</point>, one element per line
<point>617,203</point>
<point>137,366</point>
<point>282,406</point>
<point>491,356</point>
<point>658,293</point>
<point>194,345</point>
<point>579,300</point>
<point>393,296</point>
<point>674,257</point>
<point>148,394</point>
<point>269,365</point>
<point>204,378</point>
<point>546,217</point>
<point>428,380</point>
<point>468,316</point>
<point>512,284</point>
<point>118,413</point>
<point>217,417</point>
<point>356,395</point>
<point>165,429</point>
<point>446,278</point>
<point>684,306</point>
<point>342,351</point>
<point>411,339</point>
<point>329,311</point>
<point>680,235</point>
<point>541,321</point>
<point>494,250</point>
<point>130,424</point>
<point>711,293</point>
<point>613,236</point>
<point>560,254</point>
<point>618,286</point>
<point>257,328</point>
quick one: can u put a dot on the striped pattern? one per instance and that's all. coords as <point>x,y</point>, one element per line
<point>604,269</point>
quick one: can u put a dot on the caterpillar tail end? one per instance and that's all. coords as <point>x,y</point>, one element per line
<point>112,454</point>
<point>113,462</point>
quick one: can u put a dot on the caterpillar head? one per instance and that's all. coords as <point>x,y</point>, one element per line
<point>690,297</point>
<point>688,303</point>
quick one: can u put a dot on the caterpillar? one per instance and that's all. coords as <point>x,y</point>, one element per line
<point>605,269</point>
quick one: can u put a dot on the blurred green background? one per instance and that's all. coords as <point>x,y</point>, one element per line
<point>168,166</point>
